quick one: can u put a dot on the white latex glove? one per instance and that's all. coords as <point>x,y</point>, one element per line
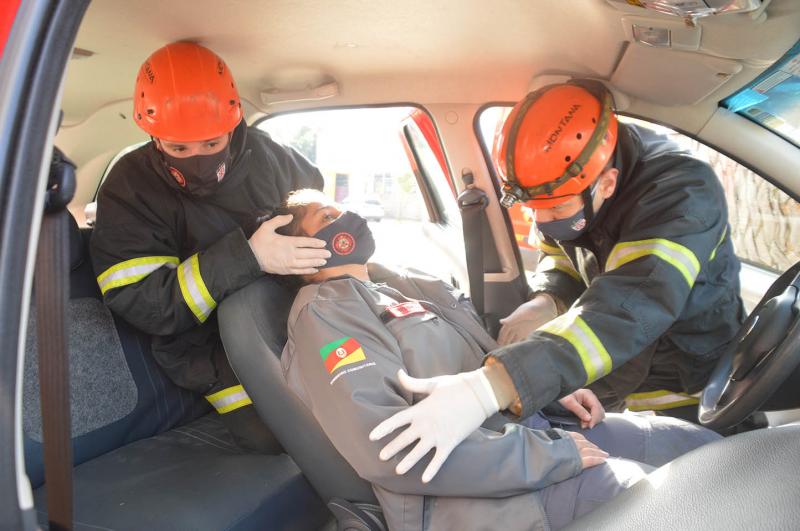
<point>286,255</point>
<point>527,318</point>
<point>585,405</point>
<point>456,406</point>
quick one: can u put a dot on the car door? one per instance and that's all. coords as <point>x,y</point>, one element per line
<point>426,154</point>
<point>37,37</point>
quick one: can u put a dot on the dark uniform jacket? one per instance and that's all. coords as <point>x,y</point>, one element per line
<point>655,272</point>
<point>165,259</point>
<point>342,358</point>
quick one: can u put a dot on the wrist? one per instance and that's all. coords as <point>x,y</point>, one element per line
<point>502,385</point>
<point>551,302</point>
<point>491,405</point>
<point>255,254</point>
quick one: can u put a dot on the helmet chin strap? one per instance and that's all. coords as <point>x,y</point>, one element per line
<point>588,203</point>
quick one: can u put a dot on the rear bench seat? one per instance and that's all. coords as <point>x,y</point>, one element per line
<point>148,454</point>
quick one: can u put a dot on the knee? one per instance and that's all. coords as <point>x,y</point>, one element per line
<point>603,482</point>
<point>565,501</point>
<point>670,438</point>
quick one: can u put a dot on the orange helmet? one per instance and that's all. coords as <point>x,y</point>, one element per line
<point>555,143</point>
<point>185,93</point>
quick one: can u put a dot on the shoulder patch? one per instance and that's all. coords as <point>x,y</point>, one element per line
<point>341,352</point>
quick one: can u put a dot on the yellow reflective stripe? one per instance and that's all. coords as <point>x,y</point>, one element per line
<point>229,399</point>
<point>673,253</point>
<point>721,239</point>
<point>194,290</point>
<point>594,356</point>
<point>659,400</point>
<point>549,249</point>
<point>534,241</point>
<point>132,271</point>
<point>207,298</point>
<point>561,263</point>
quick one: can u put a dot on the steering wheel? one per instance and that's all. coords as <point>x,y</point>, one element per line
<point>765,351</point>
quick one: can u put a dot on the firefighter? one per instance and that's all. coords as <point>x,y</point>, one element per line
<point>636,294</point>
<point>182,222</point>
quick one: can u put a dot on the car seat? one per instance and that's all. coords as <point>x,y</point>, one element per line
<point>253,324</point>
<point>147,454</point>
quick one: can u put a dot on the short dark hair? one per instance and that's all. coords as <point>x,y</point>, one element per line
<point>296,204</point>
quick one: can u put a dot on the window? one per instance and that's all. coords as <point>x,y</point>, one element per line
<point>765,222</point>
<point>772,100</point>
<point>367,168</point>
<point>431,171</point>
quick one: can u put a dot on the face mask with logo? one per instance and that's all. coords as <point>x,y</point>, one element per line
<point>348,239</point>
<point>565,229</point>
<point>199,175</point>
<point>570,228</point>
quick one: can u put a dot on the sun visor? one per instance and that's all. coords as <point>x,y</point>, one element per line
<point>669,77</point>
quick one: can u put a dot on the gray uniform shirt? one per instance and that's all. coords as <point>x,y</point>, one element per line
<point>342,358</point>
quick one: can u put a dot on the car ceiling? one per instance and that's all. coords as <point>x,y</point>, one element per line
<point>456,53</point>
<point>466,51</point>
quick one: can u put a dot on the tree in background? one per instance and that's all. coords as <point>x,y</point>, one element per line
<point>305,141</point>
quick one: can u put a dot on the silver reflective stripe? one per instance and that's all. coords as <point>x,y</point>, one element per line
<point>132,271</point>
<point>673,253</point>
<point>658,400</point>
<point>229,399</point>
<point>594,356</point>
<point>194,290</point>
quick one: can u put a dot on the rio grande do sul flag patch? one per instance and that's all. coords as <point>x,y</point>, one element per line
<point>341,352</point>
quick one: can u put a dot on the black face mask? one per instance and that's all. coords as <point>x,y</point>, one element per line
<point>348,239</point>
<point>199,175</point>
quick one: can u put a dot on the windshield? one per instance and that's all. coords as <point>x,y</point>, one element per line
<point>773,99</point>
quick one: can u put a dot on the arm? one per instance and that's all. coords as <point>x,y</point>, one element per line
<point>555,275</point>
<point>141,275</point>
<point>555,285</point>
<point>662,248</point>
<point>351,400</point>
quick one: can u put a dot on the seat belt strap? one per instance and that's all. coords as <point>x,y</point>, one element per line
<point>51,284</point>
<point>472,202</point>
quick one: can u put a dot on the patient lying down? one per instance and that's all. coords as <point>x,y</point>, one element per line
<point>354,326</point>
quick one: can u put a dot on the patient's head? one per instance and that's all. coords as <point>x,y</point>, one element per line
<point>347,235</point>
<point>311,210</point>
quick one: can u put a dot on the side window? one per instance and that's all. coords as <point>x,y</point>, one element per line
<point>364,157</point>
<point>765,222</point>
<point>427,161</point>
